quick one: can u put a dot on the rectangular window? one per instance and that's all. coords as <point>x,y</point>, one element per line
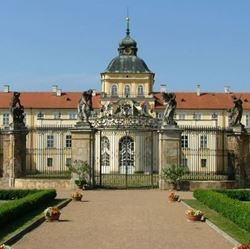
<point>68,161</point>
<point>182,116</point>
<point>72,115</point>
<point>50,141</point>
<point>57,115</point>
<point>203,141</point>
<point>49,161</point>
<point>40,115</point>
<point>214,116</point>
<point>203,163</point>
<point>184,162</point>
<point>248,120</point>
<point>6,118</point>
<point>68,141</point>
<point>197,116</point>
<point>184,141</point>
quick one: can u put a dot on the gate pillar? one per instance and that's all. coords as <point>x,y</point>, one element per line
<point>169,149</point>
<point>83,148</point>
<point>238,147</point>
<point>14,154</point>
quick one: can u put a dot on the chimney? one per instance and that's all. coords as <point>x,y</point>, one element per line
<point>6,88</point>
<point>198,90</point>
<point>59,92</point>
<point>54,89</point>
<point>226,89</point>
<point>163,88</point>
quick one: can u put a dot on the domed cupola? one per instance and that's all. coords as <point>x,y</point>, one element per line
<point>127,61</point>
<point>128,45</point>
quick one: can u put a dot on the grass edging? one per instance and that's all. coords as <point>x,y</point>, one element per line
<point>17,236</point>
<point>232,233</point>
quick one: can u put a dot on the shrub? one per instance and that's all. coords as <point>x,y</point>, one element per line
<point>7,194</point>
<point>233,209</point>
<point>238,194</point>
<point>13,210</point>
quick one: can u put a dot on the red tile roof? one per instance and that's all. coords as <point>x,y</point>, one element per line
<point>47,100</point>
<point>190,100</point>
<point>69,100</point>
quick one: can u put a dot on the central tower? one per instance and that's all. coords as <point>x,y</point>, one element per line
<point>127,75</point>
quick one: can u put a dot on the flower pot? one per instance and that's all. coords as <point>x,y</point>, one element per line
<point>77,198</point>
<point>53,217</point>
<point>173,199</point>
<point>194,217</point>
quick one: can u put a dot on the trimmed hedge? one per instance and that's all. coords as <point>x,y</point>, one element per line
<point>9,194</point>
<point>238,194</point>
<point>17,208</point>
<point>235,210</point>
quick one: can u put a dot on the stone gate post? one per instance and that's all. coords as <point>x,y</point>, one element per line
<point>83,147</point>
<point>238,147</point>
<point>169,149</point>
<point>14,154</point>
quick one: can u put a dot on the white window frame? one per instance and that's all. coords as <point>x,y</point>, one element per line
<point>140,90</point>
<point>197,116</point>
<point>6,118</point>
<point>114,91</point>
<point>248,120</point>
<point>203,141</point>
<point>50,141</point>
<point>68,141</point>
<point>184,141</point>
<point>182,116</point>
<point>127,91</point>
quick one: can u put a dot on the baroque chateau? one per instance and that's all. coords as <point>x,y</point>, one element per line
<point>127,124</point>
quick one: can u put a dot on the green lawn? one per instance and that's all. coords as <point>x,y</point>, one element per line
<point>224,224</point>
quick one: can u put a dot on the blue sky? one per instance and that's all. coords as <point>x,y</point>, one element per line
<point>69,42</point>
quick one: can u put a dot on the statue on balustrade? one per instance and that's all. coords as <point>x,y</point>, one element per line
<point>168,115</point>
<point>235,114</point>
<point>17,110</point>
<point>85,106</point>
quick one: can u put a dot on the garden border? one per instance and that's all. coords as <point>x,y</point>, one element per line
<point>13,239</point>
<point>217,229</point>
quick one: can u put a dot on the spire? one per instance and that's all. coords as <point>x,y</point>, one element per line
<point>127,30</point>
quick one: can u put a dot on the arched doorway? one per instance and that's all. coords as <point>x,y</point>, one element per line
<point>126,155</point>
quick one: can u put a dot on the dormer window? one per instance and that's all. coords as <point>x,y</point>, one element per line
<point>114,90</point>
<point>127,91</point>
<point>140,90</point>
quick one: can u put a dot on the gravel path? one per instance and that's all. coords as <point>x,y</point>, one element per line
<point>120,219</point>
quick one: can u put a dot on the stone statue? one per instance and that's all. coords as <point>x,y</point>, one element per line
<point>235,114</point>
<point>84,107</point>
<point>168,116</point>
<point>16,109</point>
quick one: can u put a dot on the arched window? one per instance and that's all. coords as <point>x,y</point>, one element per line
<point>127,91</point>
<point>105,150</point>
<point>114,90</point>
<point>140,90</point>
<point>126,155</point>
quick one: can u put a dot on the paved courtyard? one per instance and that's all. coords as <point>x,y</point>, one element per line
<point>132,219</point>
